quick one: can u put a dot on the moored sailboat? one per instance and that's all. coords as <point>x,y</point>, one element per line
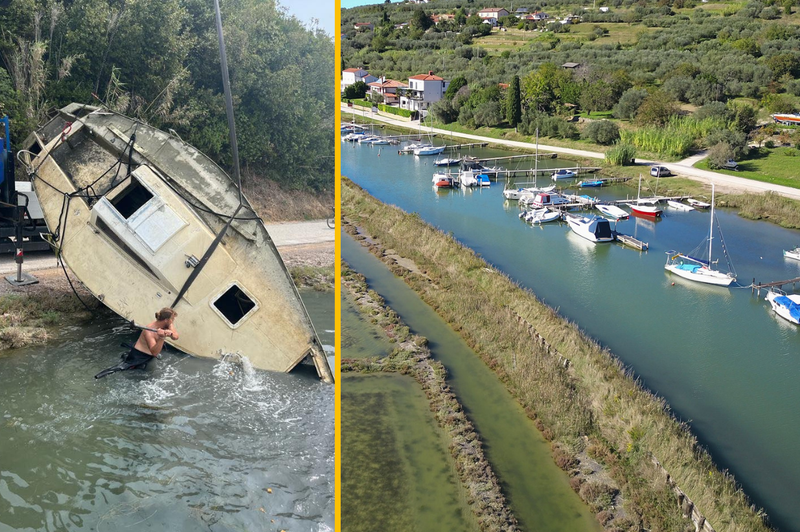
<point>700,269</point>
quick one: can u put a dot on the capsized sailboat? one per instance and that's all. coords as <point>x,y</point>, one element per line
<point>136,212</point>
<point>701,269</point>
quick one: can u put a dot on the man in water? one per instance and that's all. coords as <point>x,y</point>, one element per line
<point>151,341</point>
<point>149,344</point>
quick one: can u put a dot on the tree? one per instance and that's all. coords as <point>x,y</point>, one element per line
<point>488,114</point>
<point>513,106</point>
<point>656,109</point>
<point>356,91</point>
<point>601,132</point>
<point>719,154</point>
<point>597,96</point>
<point>629,103</point>
<point>454,87</point>
<point>420,20</point>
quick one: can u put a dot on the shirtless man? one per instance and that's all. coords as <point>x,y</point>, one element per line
<point>151,342</point>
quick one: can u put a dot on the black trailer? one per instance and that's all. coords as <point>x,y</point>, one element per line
<point>19,228</point>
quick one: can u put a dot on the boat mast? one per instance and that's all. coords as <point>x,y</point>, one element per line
<point>536,162</point>
<point>711,225</point>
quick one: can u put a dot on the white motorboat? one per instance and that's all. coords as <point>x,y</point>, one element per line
<point>592,228</point>
<point>430,150</point>
<point>701,269</point>
<point>415,146</point>
<point>793,254</point>
<point>677,205</point>
<point>785,306</point>
<point>698,204</point>
<point>540,216</point>
<point>563,173</point>
<point>612,211</point>
<point>446,161</point>
<point>546,199</point>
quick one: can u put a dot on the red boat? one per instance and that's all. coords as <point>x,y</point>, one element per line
<point>645,209</point>
<point>442,181</point>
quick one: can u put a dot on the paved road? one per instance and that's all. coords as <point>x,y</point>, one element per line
<point>284,235</point>
<point>683,168</point>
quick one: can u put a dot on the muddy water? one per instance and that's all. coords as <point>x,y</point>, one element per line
<point>396,469</point>
<point>188,444</point>
<point>538,492</point>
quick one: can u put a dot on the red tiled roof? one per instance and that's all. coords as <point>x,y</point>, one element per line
<point>389,83</point>
<point>493,10</point>
<point>351,69</point>
<point>427,77</point>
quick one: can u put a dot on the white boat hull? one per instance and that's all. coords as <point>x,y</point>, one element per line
<point>781,310</point>
<point>793,254</point>
<point>593,229</point>
<point>701,275</point>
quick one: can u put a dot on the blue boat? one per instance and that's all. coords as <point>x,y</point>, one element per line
<point>483,180</point>
<point>595,183</point>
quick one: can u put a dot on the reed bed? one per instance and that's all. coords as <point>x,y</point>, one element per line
<point>582,397</point>
<point>412,357</point>
<point>673,140</point>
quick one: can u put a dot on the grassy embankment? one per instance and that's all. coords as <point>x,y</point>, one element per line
<point>413,358</point>
<point>592,405</point>
<point>33,316</point>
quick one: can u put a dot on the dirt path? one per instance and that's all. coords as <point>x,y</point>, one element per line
<point>724,182</point>
<point>299,243</point>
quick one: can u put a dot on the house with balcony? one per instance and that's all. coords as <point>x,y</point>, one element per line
<point>352,75</point>
<point>423,90</point>
<point>387,88</point>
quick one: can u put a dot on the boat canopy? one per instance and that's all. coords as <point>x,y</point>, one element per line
<point>601,228</point>
<point>793,307</point>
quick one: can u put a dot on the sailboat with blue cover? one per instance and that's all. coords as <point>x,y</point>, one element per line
<point>701,269</point>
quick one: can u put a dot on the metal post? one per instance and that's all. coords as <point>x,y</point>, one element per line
<point>21,279</point>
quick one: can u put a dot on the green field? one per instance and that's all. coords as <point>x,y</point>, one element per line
<point>774,166</point>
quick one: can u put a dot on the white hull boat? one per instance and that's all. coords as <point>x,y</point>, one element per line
<point>146,221</point>
<point>592,228</point>
<point>699,269</point>
<point>677,205</point>
<point>793,254</point>
<point>698,204</point>
<point>787,307</point>
<point>612,211</point>
<point>540,216</point>
<point>563,174</point>
<point>430,150</point>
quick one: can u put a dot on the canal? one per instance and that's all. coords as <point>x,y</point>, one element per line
<point>537,491</point>
<point>188,444</point>
<point>721,358</point>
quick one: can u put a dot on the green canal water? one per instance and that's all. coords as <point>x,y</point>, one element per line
<point>538,492</point>
<point>721,358</point>
<point>397,473</point>
<point>361,339</point>
<point>188,444</point>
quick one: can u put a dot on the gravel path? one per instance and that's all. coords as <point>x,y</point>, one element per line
<point>300,243</point>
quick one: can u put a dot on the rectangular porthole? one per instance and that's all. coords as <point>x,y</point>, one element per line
<point>234,305</point>
<point>132,198</point>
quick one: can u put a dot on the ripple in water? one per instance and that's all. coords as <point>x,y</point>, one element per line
<point>188,444</point>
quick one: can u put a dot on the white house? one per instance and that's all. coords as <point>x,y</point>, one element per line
<point>422,91</point>
<point>492,12</point>
<point>351,75</point>
<point>388,89</point>
<point>366,26</point>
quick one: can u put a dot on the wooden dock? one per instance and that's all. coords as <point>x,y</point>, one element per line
<point>533,172</point>
<point>460,146</point>
<point>758,286</point>
<point>631,241</point>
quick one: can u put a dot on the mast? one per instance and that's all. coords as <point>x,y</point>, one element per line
<point>711,225</point>
<point>536,162</point>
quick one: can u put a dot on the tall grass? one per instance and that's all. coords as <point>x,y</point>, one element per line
<point>675,139</point>
<point>621,154</point>
<point>594,405</point>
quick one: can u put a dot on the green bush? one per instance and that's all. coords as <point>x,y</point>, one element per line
<point>601,132</point>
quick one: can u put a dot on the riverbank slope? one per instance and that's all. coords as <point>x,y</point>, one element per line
<point>583,398</point>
